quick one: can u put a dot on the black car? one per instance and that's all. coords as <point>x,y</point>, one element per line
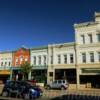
<point>21,89</point>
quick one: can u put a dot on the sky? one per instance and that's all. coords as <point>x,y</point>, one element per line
<point>34,23</point>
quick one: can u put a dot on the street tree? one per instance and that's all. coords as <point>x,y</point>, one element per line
<point>25,70</point>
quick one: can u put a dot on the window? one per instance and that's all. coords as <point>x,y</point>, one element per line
<point>51,74</point>
<point>84,57</point>
<point>90,38</point>
<point>9,64</point>
<point>39,60</point>
<point>16,61</point>
<point>59,81</point>
<point>5,63</point>
<point>65,59</point>
<point>34,58</point>
<point>99,56</point>
<point>26,59</point>
<point>98,37</point>
<point>44,59</point>
<point>59,59</point>
<point>51,59</point>
<point>1,63</point>
<point>83,39</point>
<point>21,58</point>
<point>71,58</point>
<point>91,57</point>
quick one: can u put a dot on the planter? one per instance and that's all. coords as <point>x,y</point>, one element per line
<point>40,84</point>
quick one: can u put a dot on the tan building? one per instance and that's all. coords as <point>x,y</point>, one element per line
<point>61,62</point>
<point>5,65</point>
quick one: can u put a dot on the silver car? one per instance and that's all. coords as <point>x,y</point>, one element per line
<point>58,84</point>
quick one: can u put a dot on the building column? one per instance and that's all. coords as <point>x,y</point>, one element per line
<point>29,76</point>
<point>53,74</point>
<point>77,78</point>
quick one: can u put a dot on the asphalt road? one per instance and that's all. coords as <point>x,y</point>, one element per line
<point>50,94</point>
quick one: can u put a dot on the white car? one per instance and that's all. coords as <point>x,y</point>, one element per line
<point>58,84</point>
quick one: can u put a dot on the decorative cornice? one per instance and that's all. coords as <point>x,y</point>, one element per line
<point>39,48</point>
<point>84,24</point>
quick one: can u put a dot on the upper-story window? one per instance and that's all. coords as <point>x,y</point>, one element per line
<point>98,37</point>
<point>16,61</point>
<point>59,59</point>
<point>51,59</point>
<point>91,57</point>
<point>65,59</point>
<point>34,60</point>
<point>21,58</point>
<point>90,38</point>
<point>1,63</point>
<point>9,64</point>
<point>5,63</point>
<point>26,59</point>
<point>82,39</point>
<point>84,57</point>
<point>99,56</point>
<point>44,59</point>
<point>71,58</point>
<point>39,60</point>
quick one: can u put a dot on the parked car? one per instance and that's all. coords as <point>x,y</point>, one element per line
<point>58,84</point>
<point>21,89</point>
<point>33,82</point>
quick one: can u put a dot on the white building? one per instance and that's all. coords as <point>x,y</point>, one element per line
<point>78,62</point>
<point>38,60</point>
<point>61,62</point>
<point>87,38</point>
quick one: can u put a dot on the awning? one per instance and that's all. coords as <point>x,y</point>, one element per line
<point>4,72</point>
<point>90,70</point>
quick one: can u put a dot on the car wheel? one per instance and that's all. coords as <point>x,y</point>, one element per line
<point>62,88</point>
<point>26,96</point>
<point>5,94</point>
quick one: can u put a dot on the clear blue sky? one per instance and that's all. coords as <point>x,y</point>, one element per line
<point>41,22</point>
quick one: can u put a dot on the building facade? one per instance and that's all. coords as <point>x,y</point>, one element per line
<point>5,65</point>
<point>39,61</point>
<point>20,56</point>
<point>87,38</point>
<point>78,62</point>
<point>61,62</point>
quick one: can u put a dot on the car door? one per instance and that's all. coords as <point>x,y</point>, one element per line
<point>59,84</point>
<point>54,84</point>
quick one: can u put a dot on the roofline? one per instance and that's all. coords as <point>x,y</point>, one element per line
<point>63,44</point>
<point>38,48</point>
<point>6,52</point>
<point>85,24</point>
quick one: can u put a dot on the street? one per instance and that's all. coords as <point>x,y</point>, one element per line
<point>51,94</point>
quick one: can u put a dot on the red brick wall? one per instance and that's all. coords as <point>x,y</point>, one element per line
<point>21,52</point>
